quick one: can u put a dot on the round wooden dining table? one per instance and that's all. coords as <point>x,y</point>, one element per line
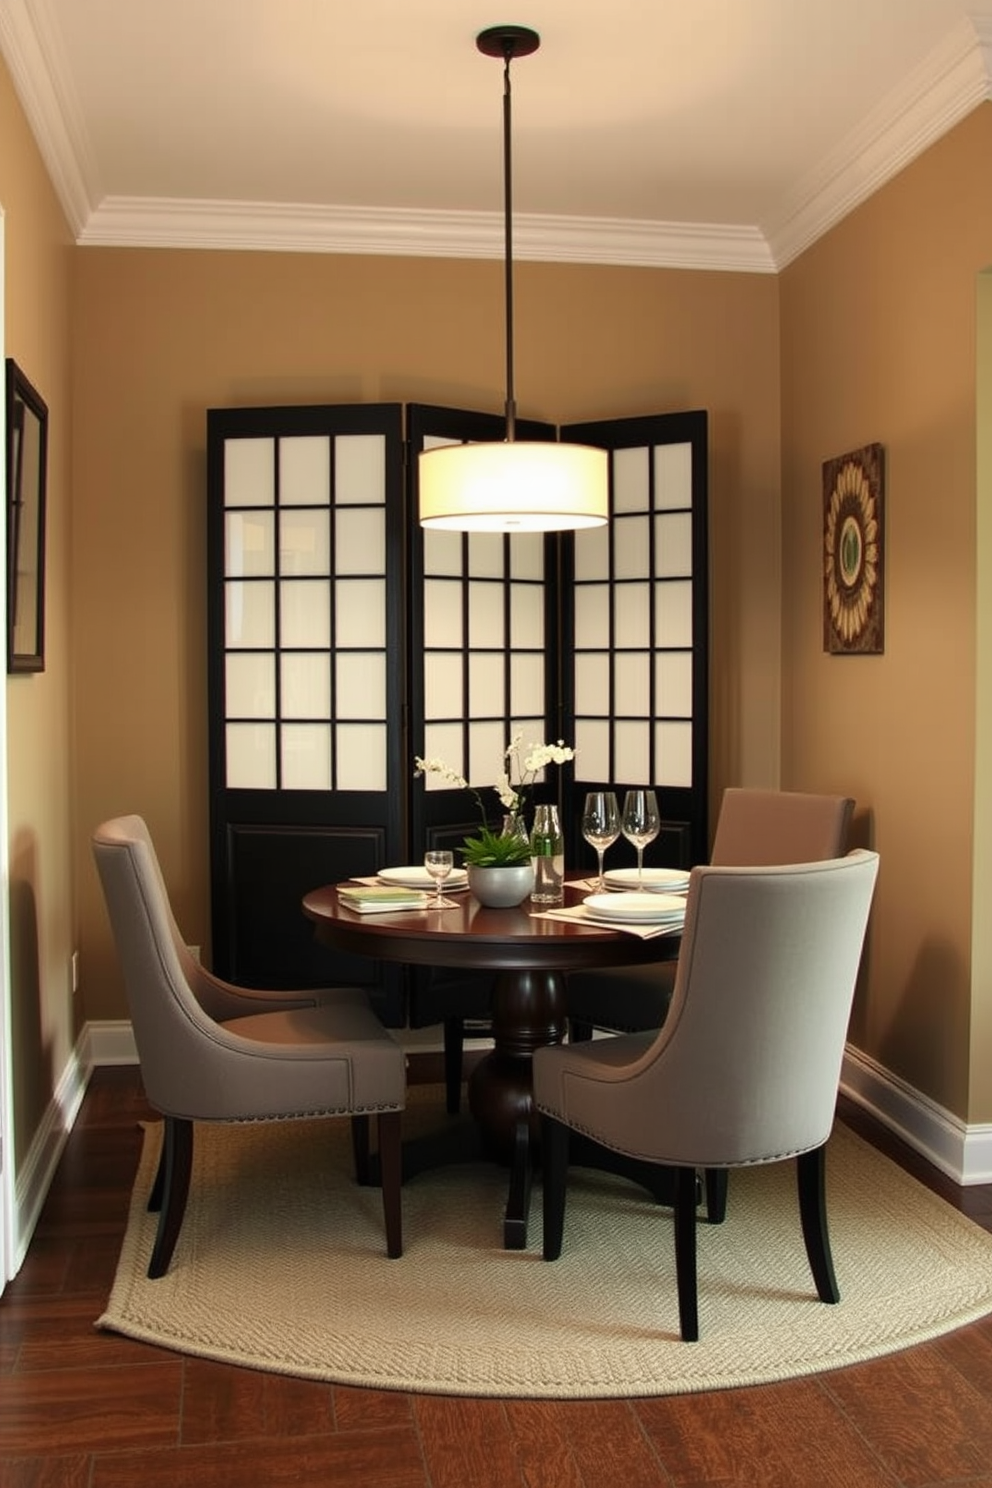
<point>530,955</point>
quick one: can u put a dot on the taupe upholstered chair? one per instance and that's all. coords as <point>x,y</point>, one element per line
<point>746,1066</point>
<point>755,827</point>
<point>210,1051</point>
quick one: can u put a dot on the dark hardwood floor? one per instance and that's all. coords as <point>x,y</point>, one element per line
<point>85,1409</point>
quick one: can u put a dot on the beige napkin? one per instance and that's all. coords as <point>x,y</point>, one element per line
<point>576,915</point>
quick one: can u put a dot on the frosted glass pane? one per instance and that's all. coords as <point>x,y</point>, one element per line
<point>631,611</point>
<point>592,685</point>
<point>631,741</point>
<point>485,614</point>
<point>673,683</point>
<point>485,555</point>
<point>631,491</point>
<point>360,613</point>
<point>359,469</point>
<point>361,684</point>
<point>249,685</point>
<point>306,756</point>
<point>526,615</point>
<point>305,470</point>
<point>673,614</point>
<point>443,741</point>
<point>361,764</point>
<point>249,472</point>
<point>305,613</point>
<point>306,684</point>
<point>633,681</point>
<point>442,613</point>
<point>673,753</point>
<point>592,553</point>
<point>672,475</point>
<point>443,685</point>
<point>592,616</point>
<point>442,552</point>
<point>250,614</point>
<point>486,745</point>
<point>360,541</point>
<point>527,556</point>
<point>592,750</point>
<point>251,756</point>
<point>486,685</point>
<point>249,549</point>
<point>526,684</point>
<point>673,546</point>
<point>631,548</point>
<point>304,543</point>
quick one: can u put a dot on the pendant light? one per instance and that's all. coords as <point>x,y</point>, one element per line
<point>512,486</point>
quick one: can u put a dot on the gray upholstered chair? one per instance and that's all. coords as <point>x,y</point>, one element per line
<point>745,1068</point>
<point>210,1051</point>
<point>756,827</point>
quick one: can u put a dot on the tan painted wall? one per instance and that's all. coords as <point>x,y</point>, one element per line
<point>879,344</point>
<point>159,337</point>
<point>41,890</point>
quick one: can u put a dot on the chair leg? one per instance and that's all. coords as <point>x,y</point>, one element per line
<point>360,1147</point>
<point>685,1253</point>
<point>158,1186</point>
<point>391,1165</point>
<point>811,1175</point>
<point>554,1164</point>
<point>178,1157</point>
<point>454,1039</point>
<point>716,1195</point>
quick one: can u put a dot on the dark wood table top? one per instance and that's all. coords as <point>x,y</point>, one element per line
<point>470,935</point>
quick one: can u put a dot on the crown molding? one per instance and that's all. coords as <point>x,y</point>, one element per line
<point>952,81</point>
<point>138,222</point>
<point>32,48</point>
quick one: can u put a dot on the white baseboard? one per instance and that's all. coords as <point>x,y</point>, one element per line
<point>963,1152</point>
<point>35,1174</point>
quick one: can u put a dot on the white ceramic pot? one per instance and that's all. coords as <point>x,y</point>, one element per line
<point>501,888</point>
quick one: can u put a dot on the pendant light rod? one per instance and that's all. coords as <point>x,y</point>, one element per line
<point>508,42</point>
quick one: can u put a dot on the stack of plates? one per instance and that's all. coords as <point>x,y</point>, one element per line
<point>417,877</point>
<point>656,880</point>
<point>636,909</point>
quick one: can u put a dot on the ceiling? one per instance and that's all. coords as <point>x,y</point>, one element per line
<point>723,134</point>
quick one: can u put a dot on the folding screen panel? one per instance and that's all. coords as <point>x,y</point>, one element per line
<point>636,630</point>
<point>307,777</point>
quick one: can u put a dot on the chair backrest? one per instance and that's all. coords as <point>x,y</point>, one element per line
<point>171,1030</point>
<point>747,1064</point>
<point>760,827</point>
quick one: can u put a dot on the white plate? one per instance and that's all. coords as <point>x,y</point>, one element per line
<point>658,880</point>
<point>635,908</point>
<point>415,877</point>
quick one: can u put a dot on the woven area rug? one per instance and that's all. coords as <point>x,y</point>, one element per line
<point>281,1266</point>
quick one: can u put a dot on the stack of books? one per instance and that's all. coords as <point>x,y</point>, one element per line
<point>376,899</point>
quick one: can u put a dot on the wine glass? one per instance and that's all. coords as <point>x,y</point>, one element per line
<point>601,825</point>
<point>439,862</point>
<point>641,824</point>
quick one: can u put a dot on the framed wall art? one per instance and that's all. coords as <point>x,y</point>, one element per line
<point>27,464</point>
<point>854,552</point>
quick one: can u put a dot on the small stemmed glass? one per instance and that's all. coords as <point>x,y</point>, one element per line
<point>601,825</point>
<point>641,824</point>
<point>439,862</point>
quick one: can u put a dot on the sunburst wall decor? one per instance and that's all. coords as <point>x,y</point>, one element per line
<point>853,573</point>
